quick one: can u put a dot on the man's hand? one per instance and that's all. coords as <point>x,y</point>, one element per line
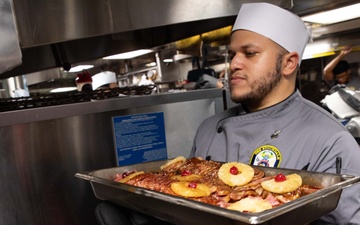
<point>346,50</point>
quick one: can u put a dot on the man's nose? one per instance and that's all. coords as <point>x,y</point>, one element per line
<point>237,62</point>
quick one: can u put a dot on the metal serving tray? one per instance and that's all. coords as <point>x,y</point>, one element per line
<point>184,211</point>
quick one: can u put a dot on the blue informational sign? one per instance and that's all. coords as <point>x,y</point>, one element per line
<point>140,138</point>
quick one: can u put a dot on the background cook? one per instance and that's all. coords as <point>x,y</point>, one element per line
<point>337,71</point>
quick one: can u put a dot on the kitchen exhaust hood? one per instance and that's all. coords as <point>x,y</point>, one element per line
<point>58,33</point>
<point>61,33</point>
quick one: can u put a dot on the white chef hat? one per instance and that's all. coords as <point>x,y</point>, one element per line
<point>275,23</point>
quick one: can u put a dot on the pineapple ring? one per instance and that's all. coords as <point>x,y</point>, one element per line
<point>175,160</point>
<point>250,204</point>
<point>292,182</point>
<point>124,180</point>
<point>183,189</point>
<point>244,176</point>
<point>191,177</point>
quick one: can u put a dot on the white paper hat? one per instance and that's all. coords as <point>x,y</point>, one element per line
<point>275,23</point>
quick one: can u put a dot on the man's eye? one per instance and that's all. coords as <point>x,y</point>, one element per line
<point>248,54</point>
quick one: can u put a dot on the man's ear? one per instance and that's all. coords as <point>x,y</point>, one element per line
<point>290,62</point>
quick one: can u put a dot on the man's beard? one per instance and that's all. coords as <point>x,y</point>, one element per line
<point>260,88</point>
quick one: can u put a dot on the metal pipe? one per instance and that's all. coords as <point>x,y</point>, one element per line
<point>158,63</point>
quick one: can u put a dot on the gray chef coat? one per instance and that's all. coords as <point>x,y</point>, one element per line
<point>294,133</point>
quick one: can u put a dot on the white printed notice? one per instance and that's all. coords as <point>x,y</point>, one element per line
<point>140,138</point>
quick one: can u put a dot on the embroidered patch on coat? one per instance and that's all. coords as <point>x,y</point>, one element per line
<point>266,155</point>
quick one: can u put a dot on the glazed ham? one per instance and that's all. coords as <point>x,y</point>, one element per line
<point>200,171</point>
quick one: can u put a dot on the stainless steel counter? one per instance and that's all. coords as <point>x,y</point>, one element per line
<point>100,106</point>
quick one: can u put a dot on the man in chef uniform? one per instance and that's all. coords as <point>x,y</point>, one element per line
<point>273,125</point>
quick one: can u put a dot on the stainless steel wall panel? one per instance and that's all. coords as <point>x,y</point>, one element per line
<point>10,54</point>
<point>42,149</point>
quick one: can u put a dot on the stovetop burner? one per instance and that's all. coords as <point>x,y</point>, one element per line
<point>36,101</point>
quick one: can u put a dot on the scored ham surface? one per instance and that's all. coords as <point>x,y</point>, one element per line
<point>207,173</point>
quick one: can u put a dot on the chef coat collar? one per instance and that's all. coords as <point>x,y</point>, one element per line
<point>272,110</point>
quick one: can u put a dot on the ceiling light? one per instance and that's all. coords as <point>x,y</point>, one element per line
<point>130,55</point>
<point>179,57</point>
<point>63,89</point>
<point>318,49</point>
<point>168,60</point>
<point>334,16</point>
<point>151,64</point>
<point>80,68</point>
